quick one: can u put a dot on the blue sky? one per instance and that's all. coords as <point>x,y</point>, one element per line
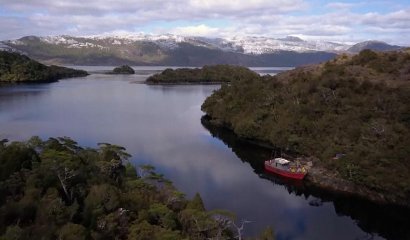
<point>340,21</point>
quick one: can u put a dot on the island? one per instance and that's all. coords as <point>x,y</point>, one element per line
<point>212,74</point>
<point>56,189</point>
<point>124,69</point>
<point>350,116</point>
<point>17,68</point>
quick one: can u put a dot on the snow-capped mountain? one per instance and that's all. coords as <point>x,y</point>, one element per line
<point>247,45</point>
<point>261,45</point>
<point>169,49</point>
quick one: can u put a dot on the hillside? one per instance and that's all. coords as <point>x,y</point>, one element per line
<point>56,189</point>
<point>374,46</point>
<point>167,50</point>
<point>357,106</point>
<point>19,68</point>
<point>206,74</point>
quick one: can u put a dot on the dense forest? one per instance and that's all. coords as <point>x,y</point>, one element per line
<point>354,107</point>
<point>207,74</point>
<point>55,189</point>
<point>124,69</point>
<point>15,67</point>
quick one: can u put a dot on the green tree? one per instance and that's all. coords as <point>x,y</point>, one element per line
<point>196,203</point>
<point>14,233</point>
<point>71,231</point>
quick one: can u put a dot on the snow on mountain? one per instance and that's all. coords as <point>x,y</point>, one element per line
<point>242,44</point>
<point>260,45</point>
<point>4,47</point>
<point>167,41</point>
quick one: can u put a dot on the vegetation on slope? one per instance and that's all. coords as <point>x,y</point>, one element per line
<point>55,189</point>
<point>105,52</point>
<point>124,69</point>
<point>357,106</point>
<point>19,68</point>
<point>207,74</point>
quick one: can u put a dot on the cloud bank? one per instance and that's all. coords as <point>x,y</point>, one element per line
<point>342,21</point>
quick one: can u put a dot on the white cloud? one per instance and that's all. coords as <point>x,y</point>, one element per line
<point>274,6</point>
<point>341,5</point>
<point>275,18</point>
<point>199,30</point>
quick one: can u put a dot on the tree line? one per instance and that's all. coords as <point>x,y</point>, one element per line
<point>56,189</point>
<point>352,114</point>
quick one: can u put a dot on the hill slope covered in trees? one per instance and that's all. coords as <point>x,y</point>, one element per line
<point>207,74</point>
<point>19,68</point>
<point>354,106</point>
<point>55,189</point>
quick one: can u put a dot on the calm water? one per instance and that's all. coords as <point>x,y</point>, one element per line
<point>161,125</point>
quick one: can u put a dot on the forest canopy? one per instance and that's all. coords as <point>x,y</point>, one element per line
<point>354,106</point>
<point>207,74</point>
<point>56,189</point>
<point>15,67</point>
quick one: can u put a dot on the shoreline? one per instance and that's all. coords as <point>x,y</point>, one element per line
<point>183,83</point>
<point>323,178</point>
<point>9,83</point>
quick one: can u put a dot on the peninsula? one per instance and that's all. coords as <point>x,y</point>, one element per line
<point>350,115</point>
<point>17,68</point>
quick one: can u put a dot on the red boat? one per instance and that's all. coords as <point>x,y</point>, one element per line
<point>283,167</point>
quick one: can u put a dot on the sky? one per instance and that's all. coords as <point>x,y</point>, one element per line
<point>340,21</point>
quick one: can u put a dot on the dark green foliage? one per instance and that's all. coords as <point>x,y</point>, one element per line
<point>267,234</point>
<point>14,157</point>
<point>329,109</point>
<point>207,74</point>
<point>55,189</point>
<point>196,203</point>
<point>124,69</point>
<point>72,231</point>
<point>19,68</point>
<point>14,233</point>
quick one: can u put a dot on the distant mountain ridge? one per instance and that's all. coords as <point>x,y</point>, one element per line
<point>168,49</point>
<point>373,45</point>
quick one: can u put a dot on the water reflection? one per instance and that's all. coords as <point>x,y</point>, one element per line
<point>388,221</point>
<point>161,125</point>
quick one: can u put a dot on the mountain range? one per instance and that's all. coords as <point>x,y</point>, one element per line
<point>169,49</point>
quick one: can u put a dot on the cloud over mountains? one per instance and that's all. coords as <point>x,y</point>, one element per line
<point>343,21</point>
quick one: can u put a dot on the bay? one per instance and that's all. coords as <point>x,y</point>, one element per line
<point>161,125</point>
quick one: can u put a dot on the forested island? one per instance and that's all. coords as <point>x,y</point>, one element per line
<point>208,74</point>
<point>350,115</point>
<point>17,68</point>
<point>56,189</point>
<point>124,69</point>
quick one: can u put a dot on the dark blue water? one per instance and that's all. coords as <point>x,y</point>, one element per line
<point>161,125</point>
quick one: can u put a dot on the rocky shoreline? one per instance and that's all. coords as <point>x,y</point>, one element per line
<point>331,181</point>
<point>326,179</point>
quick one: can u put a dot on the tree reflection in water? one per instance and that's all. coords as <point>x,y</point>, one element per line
<point>391,222</point>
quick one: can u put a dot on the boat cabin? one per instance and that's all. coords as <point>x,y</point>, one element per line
<point>280,163</point>
<point>286,168</point>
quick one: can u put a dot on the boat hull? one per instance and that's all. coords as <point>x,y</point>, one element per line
<point>283,173</point>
